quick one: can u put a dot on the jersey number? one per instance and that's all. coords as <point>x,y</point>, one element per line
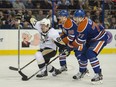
<point>94,25</point>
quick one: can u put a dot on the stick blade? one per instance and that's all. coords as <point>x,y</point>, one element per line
<point>24,77</point>
<point>13,68</point>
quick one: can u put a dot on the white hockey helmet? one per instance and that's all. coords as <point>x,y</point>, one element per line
<point>46,22</point>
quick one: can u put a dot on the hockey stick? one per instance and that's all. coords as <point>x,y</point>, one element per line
<point>16,69</point>
<point>25,77</point>
<point>19,45</point>
<point>13,68</point>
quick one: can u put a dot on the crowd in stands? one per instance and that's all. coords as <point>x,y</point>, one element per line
<point>13,10</point>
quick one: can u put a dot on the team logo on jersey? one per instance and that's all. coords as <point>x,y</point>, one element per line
<point>81,35</point>
<point>58,39</point>
<point>70,31</point>
<point>44,38</point>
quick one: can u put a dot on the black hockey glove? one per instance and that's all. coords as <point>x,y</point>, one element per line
<point>65,50</point>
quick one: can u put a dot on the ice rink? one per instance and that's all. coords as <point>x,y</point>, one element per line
<point>9,78</point>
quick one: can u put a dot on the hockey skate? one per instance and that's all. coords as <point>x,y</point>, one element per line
<point>80,75</point>
<point>56,72</point>
<point>63,68</point>
<point>97,78</point>
<point>42,74</point>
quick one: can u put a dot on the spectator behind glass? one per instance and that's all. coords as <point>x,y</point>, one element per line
<point>71,14</point>
<point>12,1</point>
<point>39,15</point>
<point>88,14</point>
<point>97,15</point>
<point>106,23</point>
<point>46,4</point>
<point>63,4</point>
<point>50,17</point>
<point>2,4</point>
<point>11,19</point>
<point>18,5</point>
<point>28,15</point>
<point>7,21</point>
<point>2,16</point>
<point>26,25</point>
<point>5,25</point>
<point>108,4</point>
<point>4,22</point>
<point>5,4</point>
<point>29,4</point>
<point>37,6</point>
<point>17,24</point>
<point>84,4</point>
<point>74,4</point>
<point>113,23</point>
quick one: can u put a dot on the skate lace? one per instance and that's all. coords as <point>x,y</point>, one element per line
<point>43,70</point>
<point>96,76</point>
<point>54,73</point>
<point>78,74</point>
<point>63,68</point>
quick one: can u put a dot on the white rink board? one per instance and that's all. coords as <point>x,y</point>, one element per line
<point>113,43</point>
<point>10,78</point>
<point>9,39</point>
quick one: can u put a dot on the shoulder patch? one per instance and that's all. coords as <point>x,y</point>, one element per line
<point>68,24</point>
<point>82,26</point>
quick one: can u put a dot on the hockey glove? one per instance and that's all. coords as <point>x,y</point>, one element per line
<point>65,50</point>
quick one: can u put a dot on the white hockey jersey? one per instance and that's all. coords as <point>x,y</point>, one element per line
<point>47,39</point>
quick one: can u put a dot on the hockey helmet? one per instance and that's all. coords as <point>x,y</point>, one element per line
<point>64,13</point>
<point>46,22</point>
<point>79,13</point>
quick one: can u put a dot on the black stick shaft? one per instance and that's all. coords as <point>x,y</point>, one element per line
<point>23,75</point>
<point>18,48</point>
<point>25,78</point>
<point>16,69</point>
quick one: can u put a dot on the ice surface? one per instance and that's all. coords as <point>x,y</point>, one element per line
<point>9,78</point>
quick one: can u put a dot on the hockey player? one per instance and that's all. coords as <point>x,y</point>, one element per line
<point>66,25</point>
<point>69,32</point>
<point>91,40</point>
<point>47,46</point>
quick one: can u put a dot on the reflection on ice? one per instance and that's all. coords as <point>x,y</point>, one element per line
<point>9,78</point>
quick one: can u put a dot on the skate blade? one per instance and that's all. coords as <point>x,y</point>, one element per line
<point>77,78</point>
<point>41,76</point>
<point>87,75</point>
<point>97,82</point>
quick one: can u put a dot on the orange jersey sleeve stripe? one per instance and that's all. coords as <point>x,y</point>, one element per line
<point>68,24</point>
<point>77,45</point>
<point>82,26</point>
<point>65,40</point>
<point>62,34</point>
<point>98,47</point>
